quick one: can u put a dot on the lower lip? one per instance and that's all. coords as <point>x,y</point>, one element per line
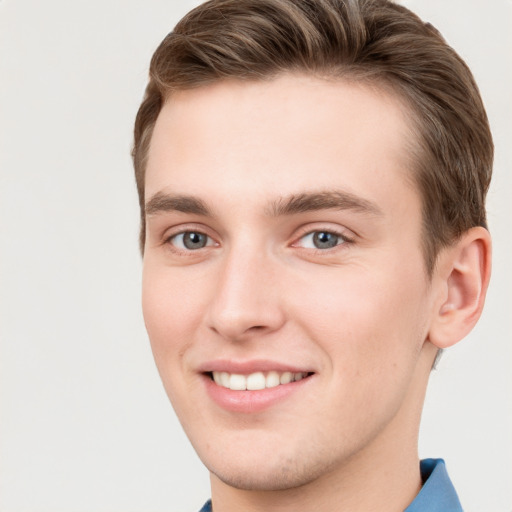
<point>251,401</point>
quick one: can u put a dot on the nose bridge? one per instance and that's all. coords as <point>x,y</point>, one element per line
<point>244,299</point>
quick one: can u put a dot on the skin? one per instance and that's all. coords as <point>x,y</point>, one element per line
<point>362,316</point>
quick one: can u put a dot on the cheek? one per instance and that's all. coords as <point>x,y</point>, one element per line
<point>371,331</point>
<point>171,311</point>
<point>371,322</point>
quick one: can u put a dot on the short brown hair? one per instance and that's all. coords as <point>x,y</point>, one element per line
<point>372,40</point>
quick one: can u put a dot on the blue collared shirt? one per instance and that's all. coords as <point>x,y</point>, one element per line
<point>436,495</point>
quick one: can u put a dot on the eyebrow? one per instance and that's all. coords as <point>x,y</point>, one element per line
<point>326,200</point>
<point>293,204</point>
<point>160,203</point>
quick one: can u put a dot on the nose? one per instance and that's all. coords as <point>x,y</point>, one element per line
<point>246,298</point>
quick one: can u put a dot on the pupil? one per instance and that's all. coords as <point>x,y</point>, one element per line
<point>193,240</point>
<point>324,240</point>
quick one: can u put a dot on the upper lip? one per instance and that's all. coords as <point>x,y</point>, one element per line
<point>251,366</point>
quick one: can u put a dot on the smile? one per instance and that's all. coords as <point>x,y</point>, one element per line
<point>257,380</point>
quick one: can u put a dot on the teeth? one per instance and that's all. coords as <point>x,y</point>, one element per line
<point>237,382</point>
<point>224,379</point>
<point>217,378</point>
<point>255,381</point>
<point>286,377</point>
<point>272,380</point>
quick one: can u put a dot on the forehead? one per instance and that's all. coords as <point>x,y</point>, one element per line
<point>285,135</point>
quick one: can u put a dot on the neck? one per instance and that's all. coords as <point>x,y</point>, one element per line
<point>384,477</point>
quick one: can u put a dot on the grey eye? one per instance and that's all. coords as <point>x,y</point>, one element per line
<point>321,240</point>
<point>325,240</point>
<point>191,240</point>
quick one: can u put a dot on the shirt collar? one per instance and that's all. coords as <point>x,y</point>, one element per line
<point>207,507</point>
<point>437,493</point>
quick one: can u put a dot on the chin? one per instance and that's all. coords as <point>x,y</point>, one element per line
<point>265,479</point>
<point>265,473</point>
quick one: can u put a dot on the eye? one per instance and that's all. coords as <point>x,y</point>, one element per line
<point>190,240</point>
<point>321,240</point>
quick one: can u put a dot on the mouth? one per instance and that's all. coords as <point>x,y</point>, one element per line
<point>254,386</point>
<point>255,381</point>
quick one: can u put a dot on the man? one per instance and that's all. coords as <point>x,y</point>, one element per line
<point>312,178</point>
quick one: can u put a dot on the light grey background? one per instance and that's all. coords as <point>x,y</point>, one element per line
<point>85,424</point>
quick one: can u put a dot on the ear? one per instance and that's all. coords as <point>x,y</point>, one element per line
<point>461,278</point>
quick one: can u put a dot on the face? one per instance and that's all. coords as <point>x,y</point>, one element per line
<point>284,286</point>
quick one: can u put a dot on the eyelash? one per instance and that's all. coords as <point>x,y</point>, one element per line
<point>342,239</point>
<point>184,250</point>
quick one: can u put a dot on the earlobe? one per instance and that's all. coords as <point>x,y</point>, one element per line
<point>463,276</point>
